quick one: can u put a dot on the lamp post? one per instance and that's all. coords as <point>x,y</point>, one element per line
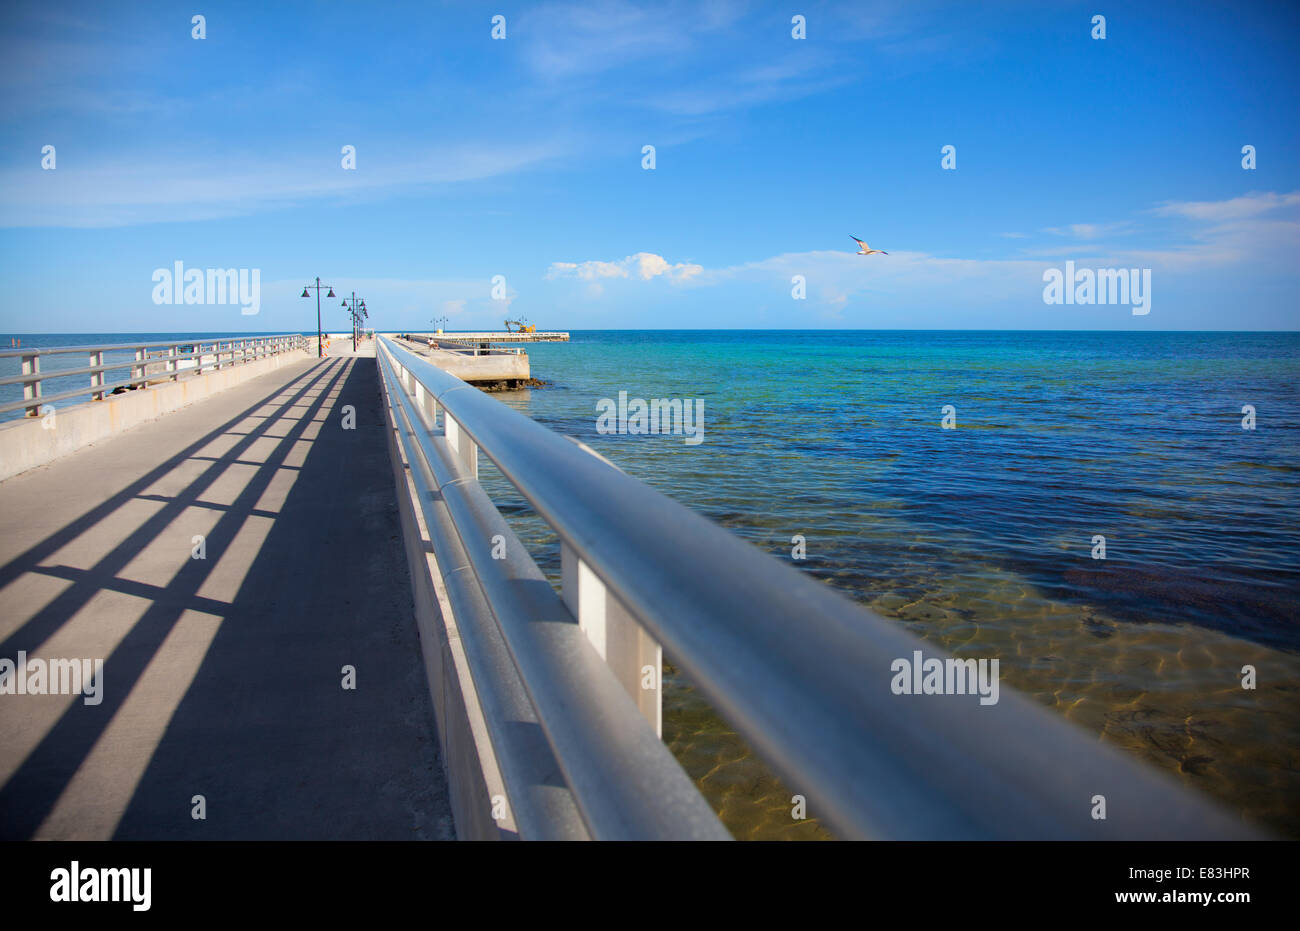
<point>358,310</point>
<point>320,351</point>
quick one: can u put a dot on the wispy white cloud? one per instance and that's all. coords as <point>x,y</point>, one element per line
<point>127,192</point>
<point>796,76</point>
<point>688,49</point>
<point>1090,230</point>
<point>1197,233</point>
<point>1238,208</point>
<point>567,40</point>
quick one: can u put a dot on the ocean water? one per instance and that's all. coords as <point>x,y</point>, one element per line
<point>980,538</point>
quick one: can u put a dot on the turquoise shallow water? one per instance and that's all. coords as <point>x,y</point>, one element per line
<point>980,538</point>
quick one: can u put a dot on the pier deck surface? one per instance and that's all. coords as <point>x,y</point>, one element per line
<point>222,675</point>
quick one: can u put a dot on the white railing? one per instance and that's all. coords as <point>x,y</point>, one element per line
<point>503,336</point>
<point>149,363</point>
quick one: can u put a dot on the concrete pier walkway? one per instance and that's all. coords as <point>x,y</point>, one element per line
<point>223,675</point>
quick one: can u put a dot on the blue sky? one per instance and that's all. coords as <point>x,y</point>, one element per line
<point>522,158</point>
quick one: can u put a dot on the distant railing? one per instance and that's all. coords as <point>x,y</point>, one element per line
<point>803,673</point>
<point>151,363</point>
<point>507,336</point>
<point>460,347</point>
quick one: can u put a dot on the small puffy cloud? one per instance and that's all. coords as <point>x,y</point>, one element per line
<point>643,265</point>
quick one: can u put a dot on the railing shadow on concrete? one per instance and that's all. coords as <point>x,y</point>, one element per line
<point>799,670</point>
<point>223,676</point>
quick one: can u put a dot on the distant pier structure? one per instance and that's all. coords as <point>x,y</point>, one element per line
<point>482,358</point>
<point>486,338</point>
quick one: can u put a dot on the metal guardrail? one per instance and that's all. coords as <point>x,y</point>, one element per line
<point>800,671</point>
<point>533,668</point>
<point>151,360</point>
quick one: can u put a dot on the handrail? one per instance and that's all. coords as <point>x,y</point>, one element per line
<point>206,353</point>
<point>109,347</point>
<point>804,673</point>
<point>622,782</point>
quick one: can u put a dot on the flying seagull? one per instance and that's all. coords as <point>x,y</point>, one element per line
<point>864,249</point>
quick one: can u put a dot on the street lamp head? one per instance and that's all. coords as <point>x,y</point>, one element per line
<point>331,294</point>
<point>304,293</point>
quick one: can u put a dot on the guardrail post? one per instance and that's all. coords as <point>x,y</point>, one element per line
<point>97,378</point>
<point>170,366</point>
<point>459,440</point>
<point>422,401</point>
<point>32,389</point>
<point>635,658</point>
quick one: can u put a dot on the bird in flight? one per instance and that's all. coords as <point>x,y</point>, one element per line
<point>864,249</point>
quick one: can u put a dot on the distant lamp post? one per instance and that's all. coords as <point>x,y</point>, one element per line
<point>358,310</point>
<point>320,351</point>
<point>439,323</point>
